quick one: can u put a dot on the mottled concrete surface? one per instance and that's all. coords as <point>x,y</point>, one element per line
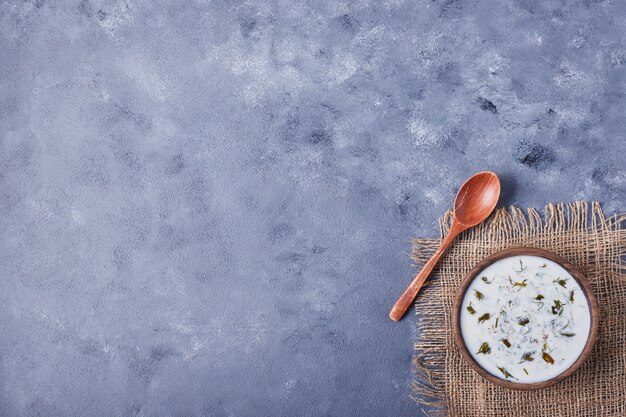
<point>206,207</point>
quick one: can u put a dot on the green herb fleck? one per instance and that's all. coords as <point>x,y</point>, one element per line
<point>522,268</point>
<point>527,357</point>
<point>471,309</point>
<point>484,349</point>
<point>543,266</point>
<point>568,334</point>
<point>557,308</point>
<point>497,318</point>
<point>486,280</point>
<point>571,296</point>
<point>525,371</point>
<point>546,357</point>
<point>484,317</point>
<point>518,284</point>
<point>561,282</point>
<point>523,322</point>
<point>479,295</point>
<point>506,373</point>
<point>539,297</point>
<point>506,343</point>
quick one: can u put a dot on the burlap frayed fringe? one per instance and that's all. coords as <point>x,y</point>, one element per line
<point>444,385</point>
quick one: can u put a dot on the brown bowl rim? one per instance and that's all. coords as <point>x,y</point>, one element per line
<point>517,251</point>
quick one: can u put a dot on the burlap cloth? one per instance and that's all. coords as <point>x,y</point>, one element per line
<point>445,385</point>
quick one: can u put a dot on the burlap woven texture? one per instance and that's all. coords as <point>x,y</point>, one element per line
<point>446,385</point>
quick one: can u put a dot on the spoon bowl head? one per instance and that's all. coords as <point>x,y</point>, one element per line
<point>477,198</point>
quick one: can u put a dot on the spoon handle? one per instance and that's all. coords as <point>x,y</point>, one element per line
<point>407,297</point>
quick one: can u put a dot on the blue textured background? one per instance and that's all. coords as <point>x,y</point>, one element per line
<point>206,207</point>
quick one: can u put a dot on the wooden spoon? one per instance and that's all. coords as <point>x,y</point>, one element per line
<point>474,203</point>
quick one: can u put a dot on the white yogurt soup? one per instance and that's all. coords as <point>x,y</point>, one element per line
<point>525,319</point>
